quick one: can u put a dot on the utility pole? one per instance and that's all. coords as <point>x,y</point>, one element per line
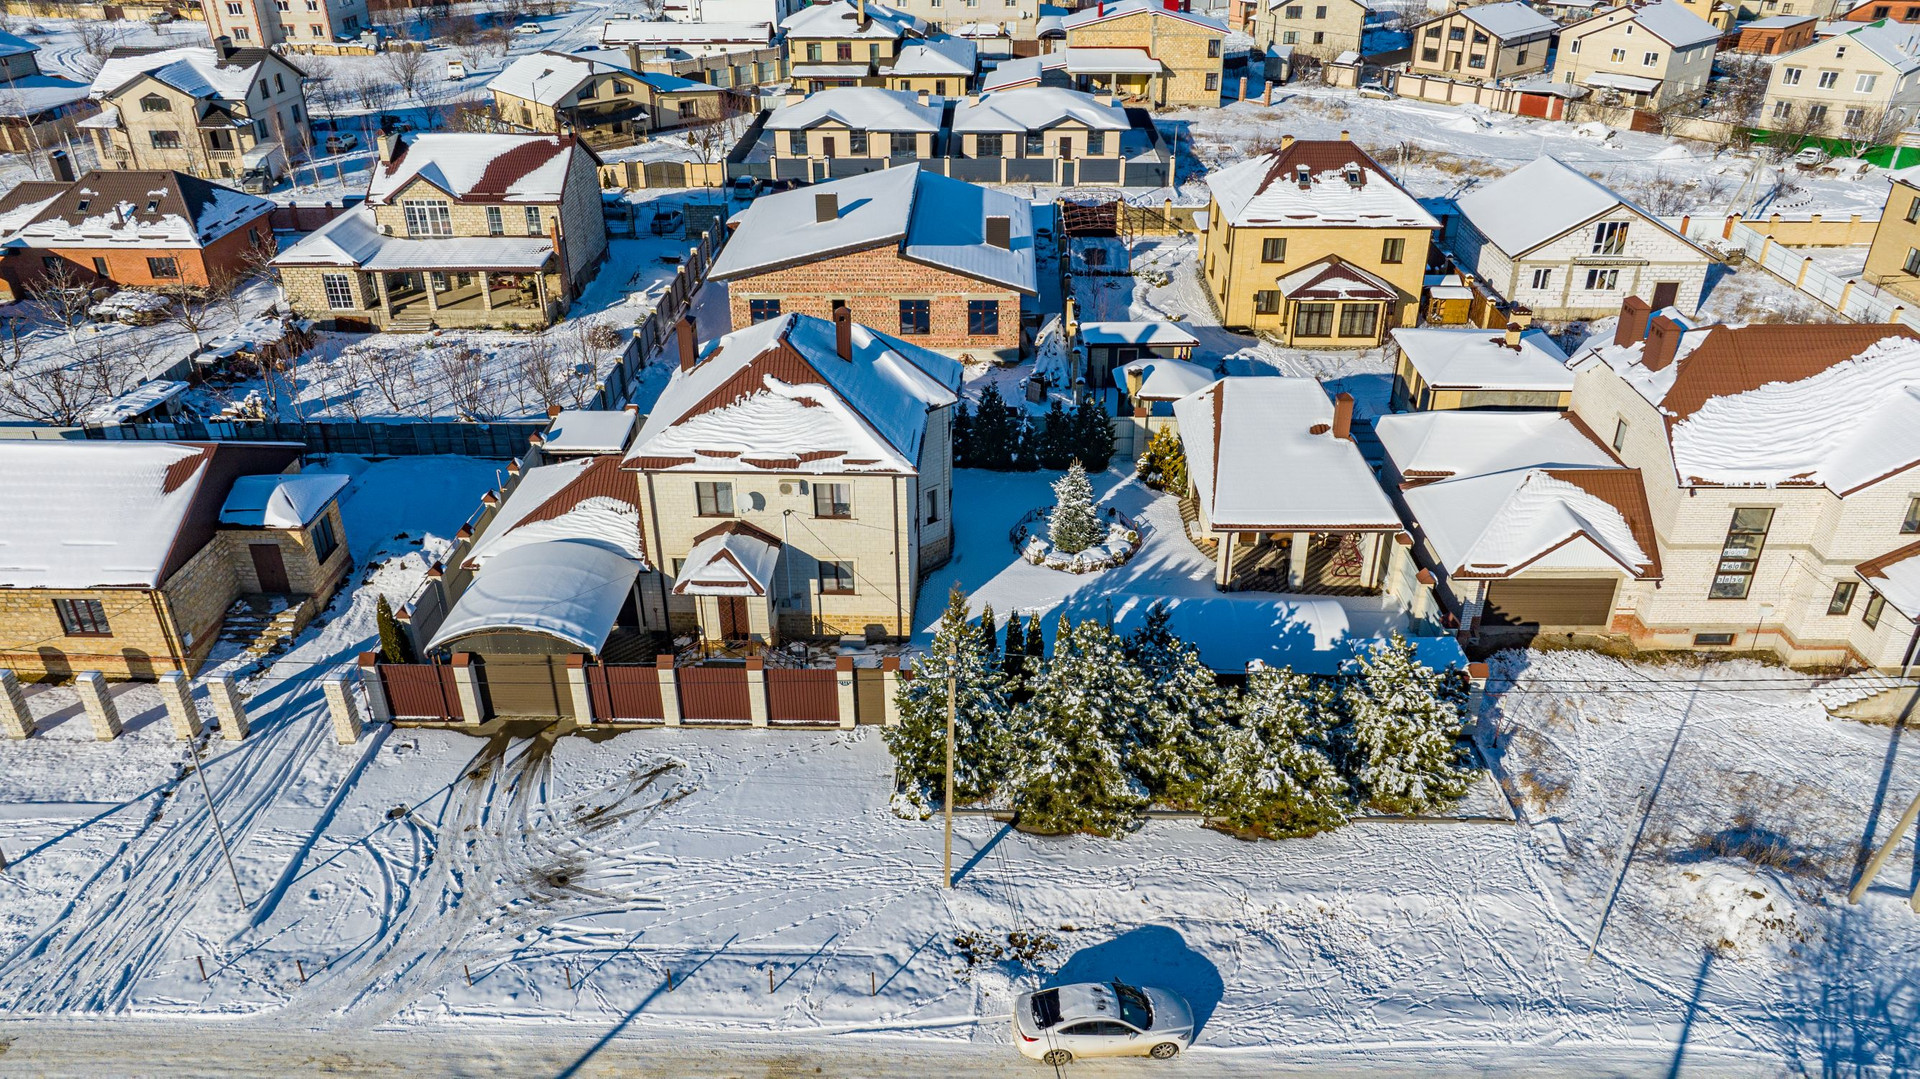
<point>946,861</point>
<point>199,769</point>
<point>1886,849</point>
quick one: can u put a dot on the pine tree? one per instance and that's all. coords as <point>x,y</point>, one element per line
<point>1073,737</point>
<point>1025,446</point>
<point>981,712</point>
<point>1054,447</point>
<point>1178,726</point>
<point>1277,777</point>
<point>1075,525</point>
<point>1403,730</point>
<point>1016,650</point>
<point>395,646</point>
<point>1036,641</point>
<point>962,435</point>
<point>993,437</point>
<point>1164,466</point>
<point>989,634</point>
<point>1093,435</point>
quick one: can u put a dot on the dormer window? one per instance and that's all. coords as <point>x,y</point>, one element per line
<point>82,208</point>
<point>153,206</point>
<point>1304,176</point>
<point>155,103</point>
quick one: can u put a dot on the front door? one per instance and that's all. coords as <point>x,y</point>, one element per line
<point>1121,358</point>
<point>1664,293</point>
<point>733,618</point>
<point>269,567</point>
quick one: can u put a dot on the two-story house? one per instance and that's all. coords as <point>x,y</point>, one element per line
<point>1903,11</point>
<point>1184,50</point>
<point>552,92</point>
<point>943,264</point>
<point>1648,57</point>
<point>1549,237</point>
<point>1483,43</point>
<point>1893,262</point>
<point>726,55</point>
<point>1076,138</point>
<point>850,130</point>
<point>1460,367</point>
<point>465,230</point>
<point>1315,243</point>
<point>846,43</point>
<point>37,110</point>
<point>1322,29</point>
<point>941,66</point>
<point>297,24</point>
<point>1864,83</point>
<point>219,113</point>
<point>1776,35</point>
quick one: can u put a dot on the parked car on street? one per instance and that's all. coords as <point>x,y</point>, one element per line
<point>341,141</point>
<point>528,28</point>
<point>1100,1019</point>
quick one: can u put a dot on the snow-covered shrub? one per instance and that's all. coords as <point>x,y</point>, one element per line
<point>1074,524</point>
<point>981,712</point>
<point>1276,776</point>
<point>1121,544</point>
<point>1177,731</point>
<point>1074,734</point>
<point>1403,730</point>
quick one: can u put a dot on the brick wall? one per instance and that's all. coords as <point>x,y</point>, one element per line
<point>1181,46</point>
<point>36,647</point>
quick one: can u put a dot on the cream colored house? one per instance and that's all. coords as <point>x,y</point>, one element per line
<point>1483,43</point>
<point>846,43</point>
<point>1865,82</point>
<point>457,230</point>
<point>1322,29</point>
<point>218,113</point>
<point>1648,57</point>
<point>940,66</point>
<point>1184,48</point>
<point>552,92</point>
<point>1315,243</point>
<point>300,25</point>
<point>834,132</point>
<point>1893,262</point>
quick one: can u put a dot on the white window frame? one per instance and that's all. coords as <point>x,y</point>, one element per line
<point>427,217</point>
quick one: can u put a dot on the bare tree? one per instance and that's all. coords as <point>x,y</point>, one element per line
<point>1865,128</point>
<point>1739,95</point>
<point>197,310</point>
<point>406,67</point>
<point>60,294</point>
<point>373,92</point>
<point>85,376</point>
<point>462,371</point>
<point>97,42</point>
<point>1787,134</point>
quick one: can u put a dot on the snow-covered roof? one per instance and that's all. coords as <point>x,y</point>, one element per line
<point>1088,60</point>
<point>589,430</point>
<point>549,77</point>
<point>1120,9</point>
<point>1037,108</point>
<point>1262,455</point>
<point>1448,442</point>
<point>931,218</point>
<point>1638,84</point>
<point>1776,22</point>
<point>841,19</point>
<point>479,167</point>
<point>1170,380</point>
<point>353,239</point>
<point>286,500</point>
<point>981,30</point>
<point>568,589</point>
<point>734,559</point>
<point>128,209</point>
<point>1496,524</point>
<point>585,500</point>
<point>1896,575</point>
<point>937,55</point>
<point>1023,71</point>
<point>1675,25</point>
<point>1333,278</point>
<point>1136,333</point>
<point>195,70</point>
<point>1449,358</point>
<point>29,94</point>
<point>1898,45</point>
<point>1265,191</point>
<point>15,45</point>
<point>140,400</point>
<point>642,32</point>
<point>861,108</point>
<point>1508,21</point>
<point>1542,200</point>
<point>778,396</point>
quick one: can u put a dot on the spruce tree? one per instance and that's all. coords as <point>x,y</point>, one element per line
<point>981,713</point>
<point>1025,445</point>
<point>1277,776</point>
<point>1073,736</point>
<point>395,646</point>
<point>1177,728</point>
<point>1016,650</point>
<point>989,634</point>
<point>1403,730</point>
<point>1093,435</point>
<point>1036,641</point>
<point>993,436</point>
<point>1074,525</point>
<point>1054,447</point>
<point>962,435</point>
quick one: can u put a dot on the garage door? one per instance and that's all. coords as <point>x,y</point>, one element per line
<point>530,686</point>
<point>1568,601</point>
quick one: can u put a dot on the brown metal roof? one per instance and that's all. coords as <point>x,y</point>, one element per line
<point>503,171</point>
<point>602,478</point>
<point>1322,155</point>
<point>1624,490</point>
<point>170,194</point>
<point>1736,359</point>
<point>1877,567</point>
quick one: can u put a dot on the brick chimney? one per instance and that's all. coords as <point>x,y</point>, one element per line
<point>222,48</point>
<point>1343,416</point>
<point>843,332</point>
<point>1633,322</point>
<point>826,206</point>
<point>1513,336</point>
<point>1000,232</point>
<point>1286,141</point>
<point>689,345</point>
<point>62,166</point>
<point>387,142</point>
<point>1663,344</point>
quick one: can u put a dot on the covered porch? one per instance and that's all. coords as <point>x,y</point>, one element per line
<point>1334,303</point>
<point>729,575</point>
<point>413,293</point>
<point>1332,563</point>
<point>464,281</point>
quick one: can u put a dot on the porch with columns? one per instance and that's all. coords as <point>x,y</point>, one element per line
<point>1340,563</point>
<point>416,293</point>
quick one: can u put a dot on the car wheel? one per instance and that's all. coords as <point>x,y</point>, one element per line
<point>1056,1057</point>
<point>1163,1051</point>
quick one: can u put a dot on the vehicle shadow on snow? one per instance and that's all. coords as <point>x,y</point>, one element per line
<point>1152,955</point>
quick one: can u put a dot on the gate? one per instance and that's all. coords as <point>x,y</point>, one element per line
<point>625,693</point>
<point>421,691</point>
<point>713,694</point>
<point>531,686</point>
<point>869,695</point>
<point>802,696</point>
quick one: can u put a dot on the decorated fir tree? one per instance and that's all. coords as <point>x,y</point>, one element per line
<point>1277,776</point>
<point>1073,737</point>
<point>981,714</point>
<point>1403,730</point>
<point>1075,525</point>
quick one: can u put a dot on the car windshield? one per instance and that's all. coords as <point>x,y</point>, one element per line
<point>1134,1008</point>
<point>1046,1008</point>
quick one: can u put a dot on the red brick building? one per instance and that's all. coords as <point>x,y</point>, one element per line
<point>131,228</point>
<point>1778,34</point>
<point>940,263</point>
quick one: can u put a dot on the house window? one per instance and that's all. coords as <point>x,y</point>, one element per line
<point>533,221</point>
<point>1542,278</point>
<point>843,51</point>
<point>762,310</point>
<point>163,267</point>
<point>715,498</point>
<point>833,500</point>
<point>155,103</point>
<point>1842,600</point>
<point>857,143</point>
<point>1829,79</point>
<point>1712,640</point>
<point>989,146</point>
<point>1273,249</point>
<point>1428,55</point>
<point>324,541</point>
<point>1603,280</point>
<point>1036,144</point>
<point>83,618</point>
<point>1863,84</point>
<point>914,317</point>
<point>1359,319</point>
<point>1575,47</point>
<point>495,226</point>
<point>933,506</point>
<point>1096,143</point>
<point>1790,76</point>
<point>164,140</point>
<point>1782,109</point>
<point>1393,250</point>
<point>1913,210</point>
<point>1871,615</point>
<point>813,52</point>
<point>1619,56</point>
<point>236,9</point>
<point>1213,49</point>
<point>797,143</point>
<point>1266,301</point>
<point>1816,114</point>
<point>1912,265</point>
<point>339,289</point>
<point>427,217</point>
<point>1620,434</point>
<point>1740,554</point>
<point>1213,81</point>
<point>1911,524</point>
<point>904,144</point>
<point>317,29</point>
<point>1314,320</point>
<point>100,266</point>
<point>1852,117</point>
<point>1296,11</point>
<point>1520,58</point>
<point>243,34</point>
<point>1477,60</point>
<point>1651,59</point>
<point>983,318</point>
<point>1610,238</point>
<point>836,578</point>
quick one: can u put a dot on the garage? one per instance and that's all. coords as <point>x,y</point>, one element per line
<point>1560,601</point>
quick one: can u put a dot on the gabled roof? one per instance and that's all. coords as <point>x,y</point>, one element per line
<point>929,218</point>
<point>127,209</point>
<point>1675,25</point>
<point>353,239</point>
<point>861,108</point>
<point>1497,524</point>
<point>1509,21</point>
<point>1896,575</point>
<point>644,32</point>
<point>471,167</point>
<point>1898,45</point>
<point>1265,192</point>
<point>589,430</point>
<point>1136,333</point>
<point>586,500</point>
<point>938,55</point>
<point>280,500</point>
<point>1262,455</point>
<point>1037,108</point>
<point>1333,278</point>
<point>1107,10</point>
<point>1541,201</point>
<point>776,396</point>
<point>841,19</point>
<point>733,559</point>
<point>1426,446</point>
<point>195,70</point>
<point>1450,358</point>
<point>548,77</point>
<point>1169,380</point>
<point>15,45</point>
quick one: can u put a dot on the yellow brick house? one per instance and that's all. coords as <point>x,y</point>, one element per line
<point>1186,47</point>
<point>1893,262</point>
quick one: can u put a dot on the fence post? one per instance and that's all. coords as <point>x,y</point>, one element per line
<point>1846,290</point>
<point>92,686</point>
<point>177,693</point>
<point>757,691</point>
<point>1805,264</point>
<point>669,691</point>
<point>344,709</point>
<point>1766,245</point>
<point>377,705</point>
<point>890,689</point>
<point>467,687</point>
<point>577,682</point>
<point>843,688</point>
<point>15,720</point>
<point>228,707</point>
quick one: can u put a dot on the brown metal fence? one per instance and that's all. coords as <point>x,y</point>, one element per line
<point>625,692</point>
<point>713,693</point>
<point>421,690</point>
<point>802,696</point>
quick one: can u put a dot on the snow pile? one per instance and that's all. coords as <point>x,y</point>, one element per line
<point>135,307</point>
<point>1743,912</point>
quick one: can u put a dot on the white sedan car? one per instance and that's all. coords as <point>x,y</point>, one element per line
<point>1100,1019</point>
